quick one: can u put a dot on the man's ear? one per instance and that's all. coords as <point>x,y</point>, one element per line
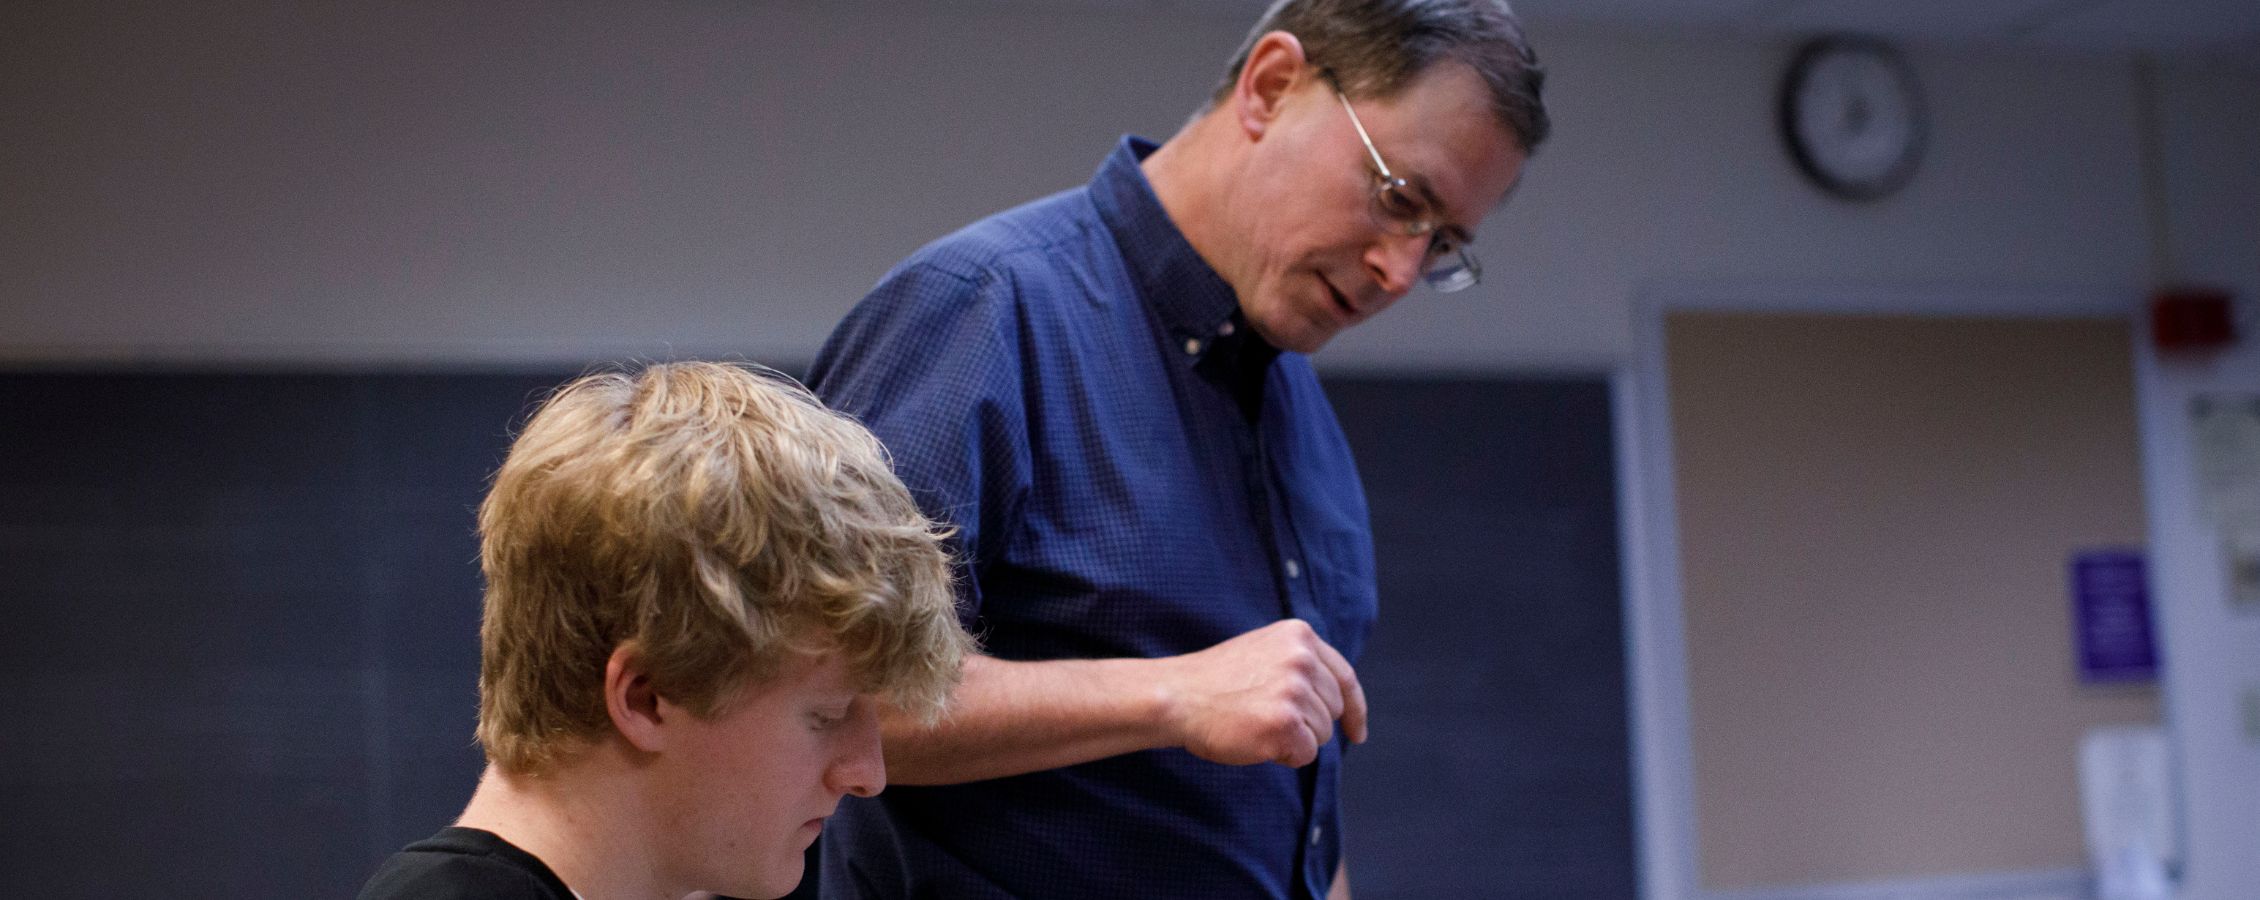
<point>637,711</point>
<point>1275,67</point>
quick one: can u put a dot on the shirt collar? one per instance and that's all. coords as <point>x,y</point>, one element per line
<point>1192,301</point>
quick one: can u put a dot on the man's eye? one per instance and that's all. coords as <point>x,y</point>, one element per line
<point>825,721</point>
<point>1443,245</point>
<point>1401,205</point>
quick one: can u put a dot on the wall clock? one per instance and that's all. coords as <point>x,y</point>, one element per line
<point>1852,114</point>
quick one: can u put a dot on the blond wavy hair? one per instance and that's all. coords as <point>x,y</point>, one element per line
<point>716,518</point>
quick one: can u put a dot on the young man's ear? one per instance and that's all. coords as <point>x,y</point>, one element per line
<point>1275,67</point>
<point>637,711</point>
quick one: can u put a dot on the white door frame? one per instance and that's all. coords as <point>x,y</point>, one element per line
<point>1656,650</point>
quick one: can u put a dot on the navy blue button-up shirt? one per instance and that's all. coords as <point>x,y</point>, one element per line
<point>1132,473</point>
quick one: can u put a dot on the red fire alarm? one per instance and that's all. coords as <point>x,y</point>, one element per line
<point>2192,319</point>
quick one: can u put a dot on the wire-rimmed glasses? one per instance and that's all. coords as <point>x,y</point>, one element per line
<point>1399,209</point>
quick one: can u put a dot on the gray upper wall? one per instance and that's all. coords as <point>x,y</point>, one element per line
<point>514,182</point>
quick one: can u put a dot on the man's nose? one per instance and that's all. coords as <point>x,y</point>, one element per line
<point>1395,262</point>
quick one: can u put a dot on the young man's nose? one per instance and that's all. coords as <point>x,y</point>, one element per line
<point>861,768</point>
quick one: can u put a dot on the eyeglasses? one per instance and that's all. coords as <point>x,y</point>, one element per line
<point>1399,209</point>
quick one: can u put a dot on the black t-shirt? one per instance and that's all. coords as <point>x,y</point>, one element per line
<point>464,864</point>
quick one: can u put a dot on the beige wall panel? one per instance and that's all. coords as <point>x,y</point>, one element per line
<point>1877,515</point>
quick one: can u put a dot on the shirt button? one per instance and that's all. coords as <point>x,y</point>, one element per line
<point>1225,329</point>
<point>1192,346</point>
<point>1314,832</point>
<point>1294,569</point>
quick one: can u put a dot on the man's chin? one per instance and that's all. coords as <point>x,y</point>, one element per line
<point>1302,335</point>
<point>1309,340</point>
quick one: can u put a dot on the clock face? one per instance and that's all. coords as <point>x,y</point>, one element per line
<point>1853,117</point>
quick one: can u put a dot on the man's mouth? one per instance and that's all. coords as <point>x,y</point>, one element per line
<point>1340,302</point>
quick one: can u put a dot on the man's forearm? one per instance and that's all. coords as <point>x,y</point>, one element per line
<point>1270,695</point>
<point>1012,717</point>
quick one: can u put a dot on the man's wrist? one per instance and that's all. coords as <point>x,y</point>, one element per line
<point>1160,700</point>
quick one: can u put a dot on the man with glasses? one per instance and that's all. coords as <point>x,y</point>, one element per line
<point>1163,539</point>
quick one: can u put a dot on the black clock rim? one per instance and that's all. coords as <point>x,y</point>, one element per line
<point>1785,113</point>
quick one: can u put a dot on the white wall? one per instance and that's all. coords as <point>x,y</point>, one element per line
<point>514,180</point>
<point>2212,656</point>
<point>518,182</point>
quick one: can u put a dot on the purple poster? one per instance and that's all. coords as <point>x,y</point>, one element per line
<point>2111,617</point>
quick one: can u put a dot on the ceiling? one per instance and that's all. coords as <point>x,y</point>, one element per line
<point>2167,27</point>
<point>2225,29</point>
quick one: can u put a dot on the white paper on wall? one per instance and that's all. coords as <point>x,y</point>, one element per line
<point>2127,800</point>
<point>2240,549</point>
<point>2226,428</point>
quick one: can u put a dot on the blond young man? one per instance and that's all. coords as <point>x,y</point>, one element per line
<point>699,583</point>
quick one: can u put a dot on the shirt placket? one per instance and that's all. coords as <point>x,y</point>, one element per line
<point>1298,598</point>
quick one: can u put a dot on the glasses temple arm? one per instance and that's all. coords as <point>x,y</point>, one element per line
<point>1360,126</point>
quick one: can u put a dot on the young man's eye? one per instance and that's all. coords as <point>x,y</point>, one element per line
<point>825,720</point>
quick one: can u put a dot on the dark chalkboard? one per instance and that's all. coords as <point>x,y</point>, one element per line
<point>242,625</point>
<point>1499,764</point>
<point>240,645</point>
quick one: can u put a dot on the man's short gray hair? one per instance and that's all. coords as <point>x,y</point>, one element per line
<point>1375,48</point>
